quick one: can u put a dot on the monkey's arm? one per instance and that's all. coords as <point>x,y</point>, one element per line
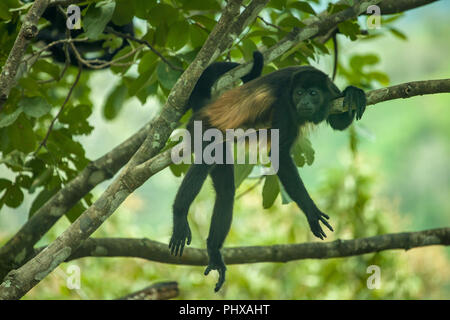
<point>295,188</point>
<point>355,99</point>
<point>290,178</point>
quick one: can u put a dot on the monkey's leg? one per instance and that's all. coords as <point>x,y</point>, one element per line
<point>190,187</point>
<point>223,179</point>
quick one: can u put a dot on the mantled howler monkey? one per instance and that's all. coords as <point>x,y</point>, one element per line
<point>286,100</point>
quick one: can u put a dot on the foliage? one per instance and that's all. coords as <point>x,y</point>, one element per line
<point>178,31</point>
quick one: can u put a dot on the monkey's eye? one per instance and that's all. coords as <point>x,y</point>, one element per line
<point>299,92</point>
<point>313,92</point>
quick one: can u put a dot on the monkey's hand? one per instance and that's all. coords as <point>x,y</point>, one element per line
<point>355,100</point>
<point>181,234</point>
<point>314,216</point>
<point>216,263</point>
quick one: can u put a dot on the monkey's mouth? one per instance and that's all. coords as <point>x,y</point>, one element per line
<point>305,112</point>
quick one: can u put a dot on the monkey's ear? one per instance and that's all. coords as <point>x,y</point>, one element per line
<point>332,88</point>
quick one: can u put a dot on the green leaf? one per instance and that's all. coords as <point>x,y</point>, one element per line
<point>166,75</point>
<point>63,139</point>
<point>270,191</point>
<point>15,160</point>
<point>200,5</point>
<point>147,91</point>
<point>75,212</point>
<point>277,4</point>
<point>303,6</point>
<point>302,152</point>
<point>178,35</point>
<point>115,101</point>
<point>8,119</point>
<point>382,78</point>
<point>144,79</point>
<point>350,29</point>
<point>197,35</point>
<point>205,21</point>
<point>41,179</point>
<point>124,12</point>
<point>162,14</point>
<point>23,181</point>
<point>147,62</point>
<point>22,135</point>
<point>241,172</point>
<point>398,33</point>
<point>4,11</point>
<point>35,107</point>
<point>179,169</point>
<point>40,200</point>
<point>143,9</point>
<point>285,198</point>
<point>77,119</point>
<point>13,196</point>
<point>97,17</point>
<point>357,62</point>
<point>121,53</point>
<point>51,69</point>
<point>4,184</point>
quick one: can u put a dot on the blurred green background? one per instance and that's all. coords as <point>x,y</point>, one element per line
<point>399,180</point>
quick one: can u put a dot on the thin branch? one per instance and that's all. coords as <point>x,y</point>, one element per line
<point>54,43</point>
<point>145,42</point>
<point>249,189</point>
<point>44,141</point>
<point>159,252</point>
<point>100,64</point>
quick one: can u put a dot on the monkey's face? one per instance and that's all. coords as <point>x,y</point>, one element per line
<point>310,103</point>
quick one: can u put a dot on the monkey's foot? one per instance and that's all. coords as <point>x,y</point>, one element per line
<point>313,219</point>
<point>181,235</point>
<point>217,263</point>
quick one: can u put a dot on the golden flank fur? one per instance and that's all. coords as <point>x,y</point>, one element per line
<point>239,108</point>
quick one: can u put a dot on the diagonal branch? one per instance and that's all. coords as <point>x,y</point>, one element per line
<point>19,247</point>
<point>28,31</point>
<point>20,281</point>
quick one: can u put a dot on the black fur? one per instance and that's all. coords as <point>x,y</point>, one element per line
<point>201,94</point>
<point>301,95</point>
<point>88,50</point>
<point>222,176</point>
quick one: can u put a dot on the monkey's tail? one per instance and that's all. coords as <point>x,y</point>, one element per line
<point>335,45</point>
<point>258,64</point>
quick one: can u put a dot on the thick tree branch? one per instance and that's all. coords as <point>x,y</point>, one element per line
<point>157,251</point>
<point>19,281</point>
<point>18,248</point>
<point>397,6</point>
<point>28,31</point>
